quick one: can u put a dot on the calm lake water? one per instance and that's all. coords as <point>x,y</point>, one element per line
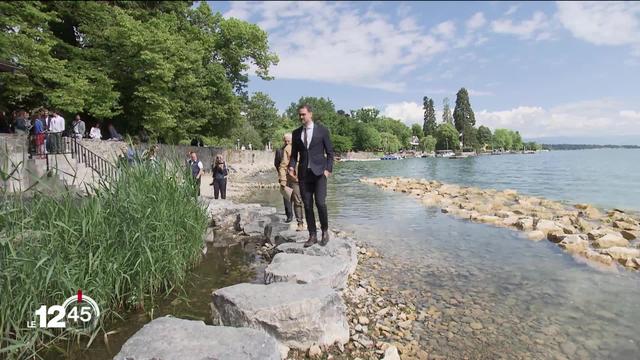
<point>533,300</point>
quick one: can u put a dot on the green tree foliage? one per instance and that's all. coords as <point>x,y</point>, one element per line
<point>247,135</point>
<point>484,135</point>
<point>395,127</point>
<point>447,137</point>
<point>390,143</point>
<point>176,70</point>
<point>367,138</point>
<point>323,109</point>
<point>342,143</point>
<point>366,115</point>
<point>516,141</point>
<point>428,143</point>
<point>446,111</point>
<point>262,114</point>
<point>470,139</point>
<point>502,139</point>
<point>429,124</point>
<point>463,114</point>
<point>416,130</point>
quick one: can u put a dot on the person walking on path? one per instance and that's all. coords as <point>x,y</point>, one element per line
<point>289,187</point>
<point>196,168</point>
<point>78,127</point>
<point>313,144</point>
<point>220,173</point>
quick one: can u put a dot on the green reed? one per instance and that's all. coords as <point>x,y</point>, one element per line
<point>132,239</point>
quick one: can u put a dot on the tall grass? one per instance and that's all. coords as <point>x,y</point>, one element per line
<point>132,239</point>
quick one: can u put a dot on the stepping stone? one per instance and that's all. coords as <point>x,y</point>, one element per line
<point>290,236</point>
<point>172,338</point>
<point>337,247</point>
<point>298,316</point>
<point>308,269</point>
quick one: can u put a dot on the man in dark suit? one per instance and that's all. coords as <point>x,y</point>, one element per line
<point>312,142</point>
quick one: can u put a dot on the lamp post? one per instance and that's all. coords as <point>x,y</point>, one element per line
<point>238,146</point>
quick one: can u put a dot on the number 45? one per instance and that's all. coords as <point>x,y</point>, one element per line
<point>85,314</point>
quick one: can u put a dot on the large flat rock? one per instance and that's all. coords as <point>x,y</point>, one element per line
<point>338,247</point>
<point>298,316</point>
<point>308,269</point>
<point>290,236</point>
<point>171,338</point>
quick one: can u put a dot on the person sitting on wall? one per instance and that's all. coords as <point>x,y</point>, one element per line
<point>95,132</point>
<point>114,134</point>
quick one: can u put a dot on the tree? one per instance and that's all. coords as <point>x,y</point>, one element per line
<point>429,125</point>
<point>367,138</point>
<point>247,135</point>
<point>516,140</point>
<point>428,143</point>
<point>463,114</point>
<point>416,130</point>
<point>262,114</point>
<point>470,138</point>
<point>365,115</point>
<point>446,111</point>
<point>390,143</point>
<point>341,143</point>
<point>396,127</point>
<point>447,137</point>
<point>484,135</point>
<point>502,139</point>
<point>176,70</point>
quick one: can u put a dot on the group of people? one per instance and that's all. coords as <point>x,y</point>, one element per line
<point>304,164</point>
<point>48,126</point>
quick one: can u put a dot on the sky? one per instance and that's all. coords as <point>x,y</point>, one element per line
<point>546,69</point>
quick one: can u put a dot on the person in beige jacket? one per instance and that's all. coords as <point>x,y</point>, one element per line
<point>289,187</point>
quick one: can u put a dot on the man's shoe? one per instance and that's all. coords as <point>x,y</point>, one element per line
<point>325,238</point>
<point>313,239</point>
<point>289,219</point>
<point>300,227</point>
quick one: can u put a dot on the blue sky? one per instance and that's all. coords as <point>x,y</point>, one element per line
<point>544,68</point>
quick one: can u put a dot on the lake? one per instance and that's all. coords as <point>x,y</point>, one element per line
<point>533,300</point>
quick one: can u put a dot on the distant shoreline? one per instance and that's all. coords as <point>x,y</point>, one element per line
<point>586,146</point>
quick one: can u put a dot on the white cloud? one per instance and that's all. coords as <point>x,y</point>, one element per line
<point>537,27</point>
<point>602,23</point>
<point>512,9</point>
<point>340,44</point>
<point>445,29</point>
<point>586,118</point>
<point>408,112</point>
<point>239,9</point>
<point>476,21</point>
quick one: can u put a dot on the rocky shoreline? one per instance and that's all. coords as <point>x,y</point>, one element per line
<point>604,238</point>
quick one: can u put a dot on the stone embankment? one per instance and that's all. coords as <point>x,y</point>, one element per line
<point>582,230</point>
<point>299,310</point>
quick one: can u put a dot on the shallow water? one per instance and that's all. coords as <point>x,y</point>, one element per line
<point>220,267</point>
<point>533,300</point>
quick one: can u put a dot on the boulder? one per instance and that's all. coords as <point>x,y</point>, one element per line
<point>172,338</point>
<point>574,244</point>
<point>489,219</point>
<point>547,226</point>
<point>308,269</point>
<point>556,236</point>
<point>622,254</point>
<point>625,225</point>
<point>610,240</point>
<point>298,316</point>
<point>535,235</point>
<point>525,224</point>
<point>591,213</point>
<point>337,247</point>
<point>391,353</point>
<point>629,235</point>
<point>593,255</point>
<point>598,233</point>
<point>290,236</point>
<point>510,221</point>
<point>583,225</point>
<point>504,214</point>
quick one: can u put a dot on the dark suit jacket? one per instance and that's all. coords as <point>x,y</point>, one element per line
<point>319,146</point>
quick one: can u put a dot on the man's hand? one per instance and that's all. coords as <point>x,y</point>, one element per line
<point>327,173</point>
<point>292,171</point>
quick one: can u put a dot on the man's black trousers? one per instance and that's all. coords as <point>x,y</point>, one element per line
<point>313,187</point>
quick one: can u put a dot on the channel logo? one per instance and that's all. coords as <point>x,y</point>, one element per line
<point>79,312</point>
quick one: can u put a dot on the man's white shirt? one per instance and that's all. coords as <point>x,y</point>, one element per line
<point>57,124</point>
<point>309,134</point>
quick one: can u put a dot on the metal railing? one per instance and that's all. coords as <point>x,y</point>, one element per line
<point>58,145</point>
